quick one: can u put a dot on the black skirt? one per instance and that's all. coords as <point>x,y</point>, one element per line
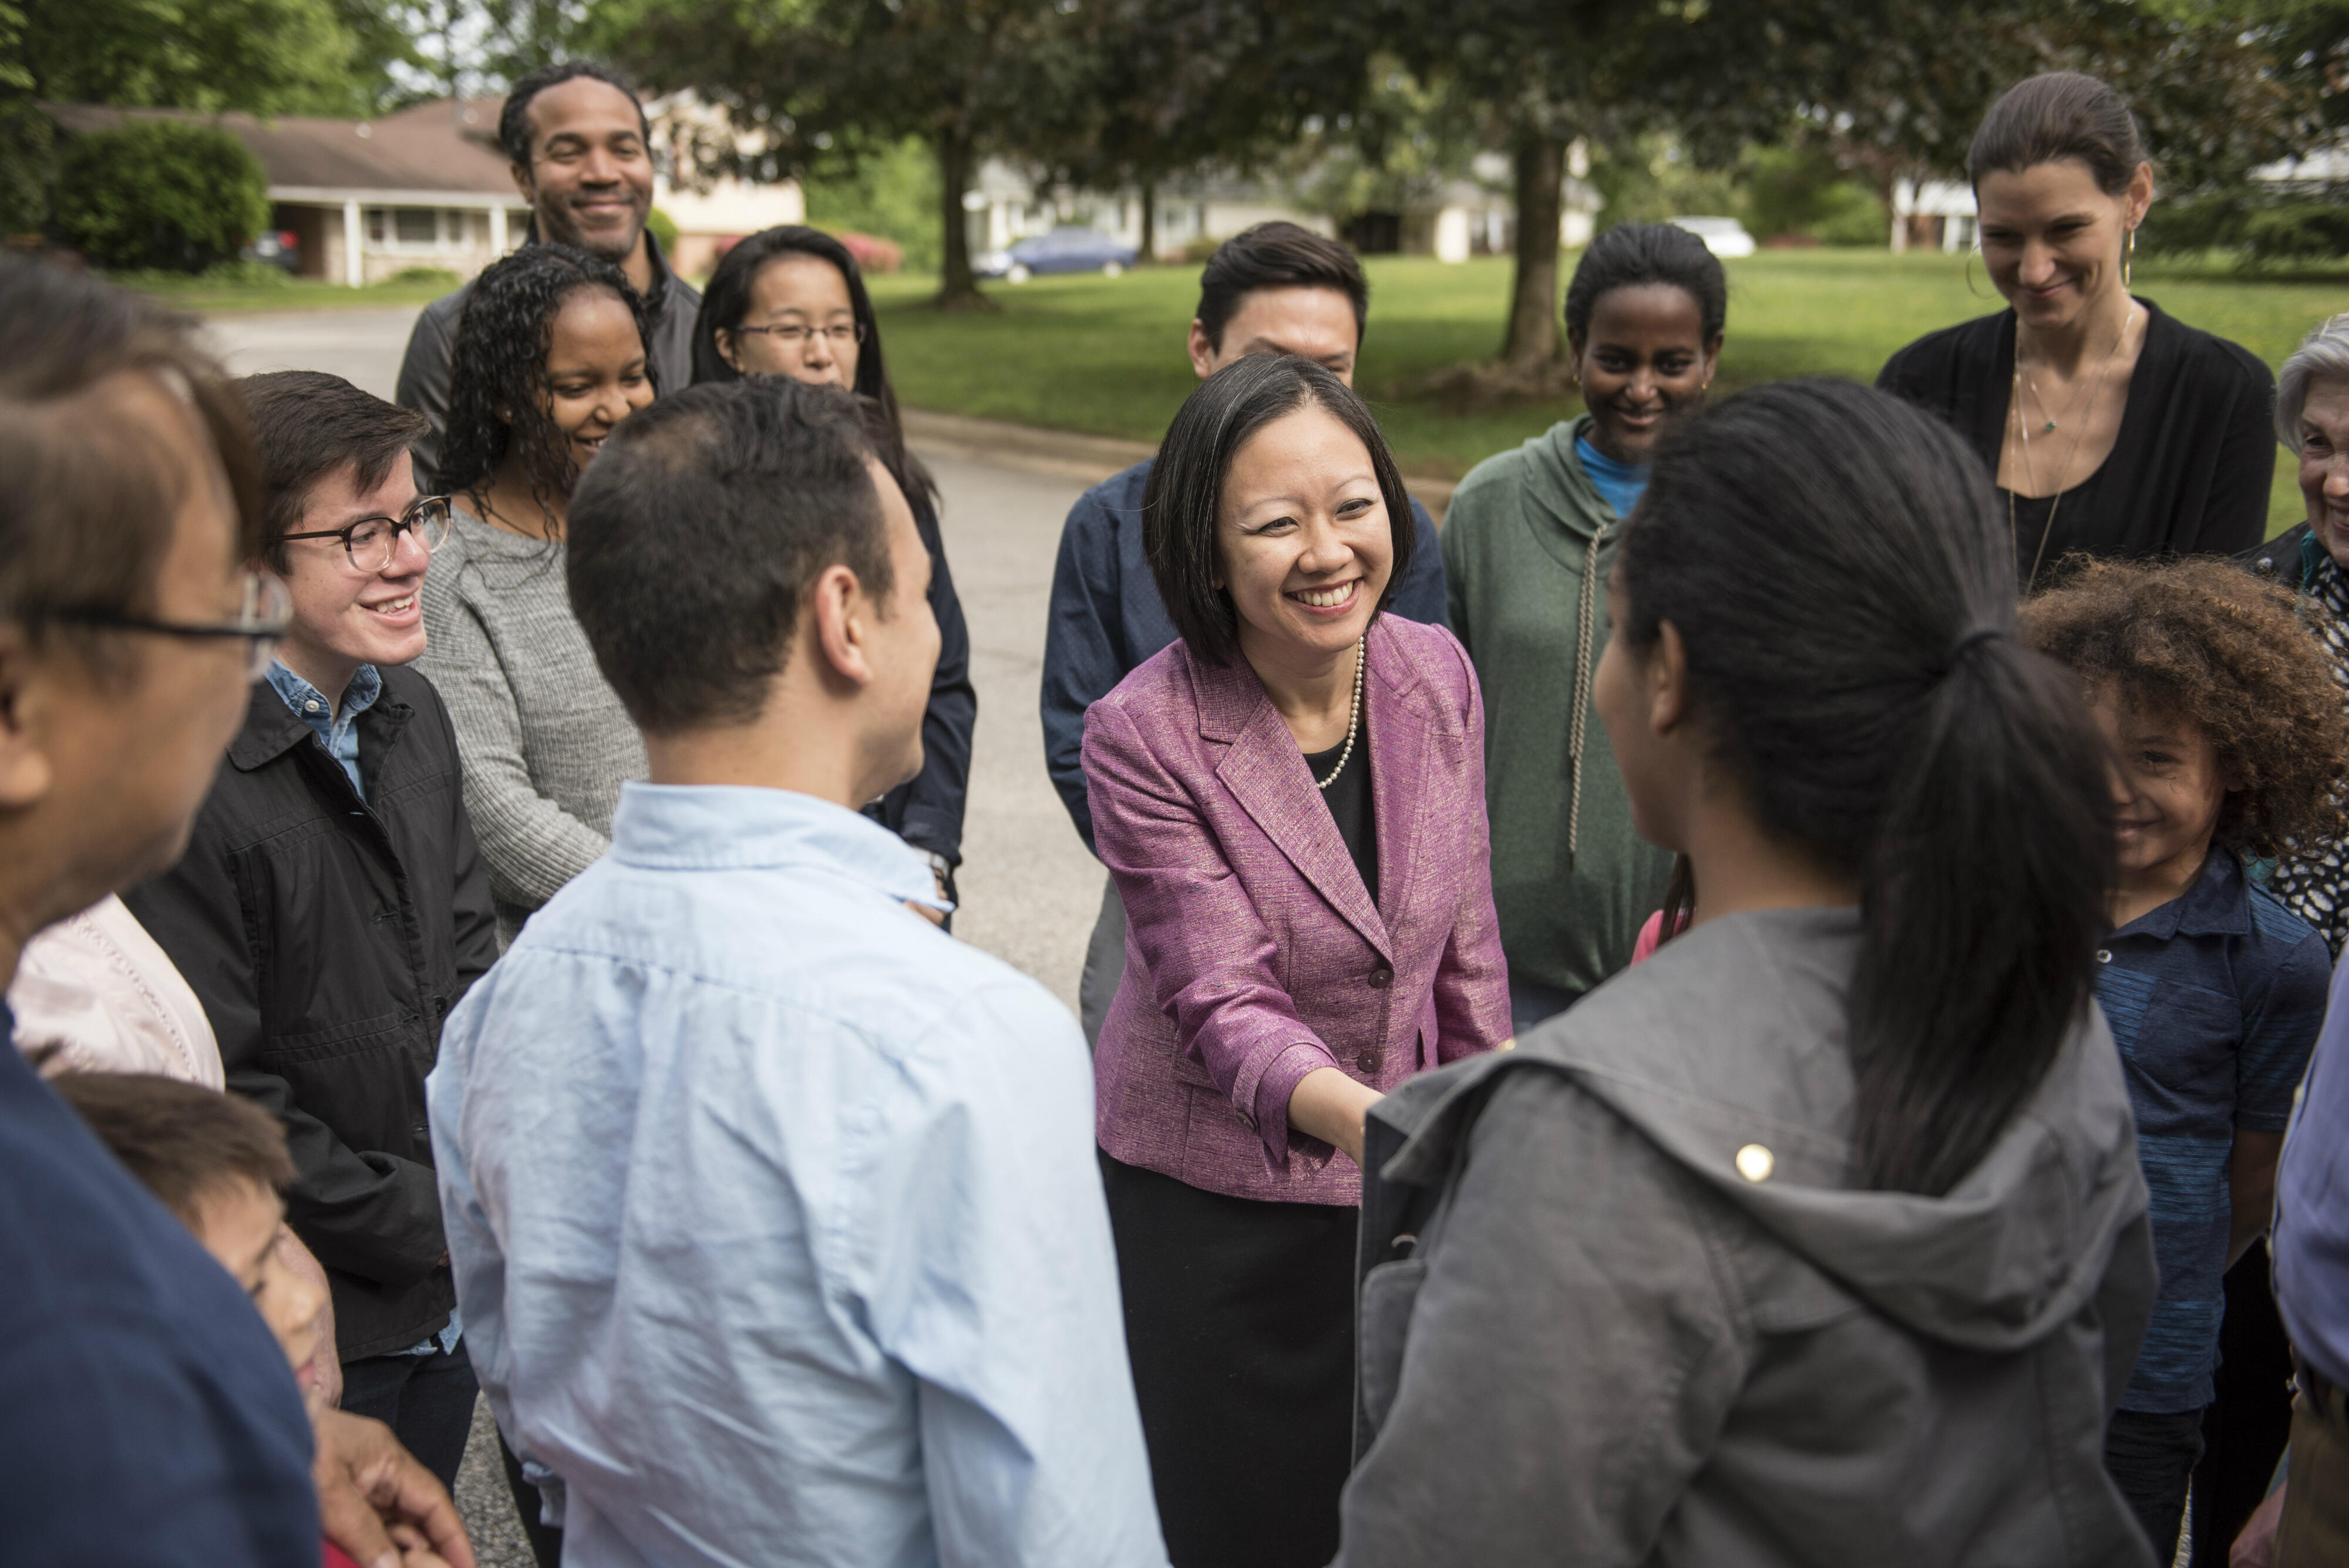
<point>1239,1319</point>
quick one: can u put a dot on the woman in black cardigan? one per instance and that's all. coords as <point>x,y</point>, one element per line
<point>2113,429</point>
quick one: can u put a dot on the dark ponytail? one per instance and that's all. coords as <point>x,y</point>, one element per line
<point>1905,738</point>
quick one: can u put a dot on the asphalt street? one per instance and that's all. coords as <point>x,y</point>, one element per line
<point>1030,889</point>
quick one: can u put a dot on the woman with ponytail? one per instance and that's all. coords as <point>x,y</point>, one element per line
<point>1820,1237</point>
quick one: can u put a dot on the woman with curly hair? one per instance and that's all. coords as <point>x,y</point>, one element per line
<point>549,358</point>
<point>789,301</point>
<point>2226,739</point>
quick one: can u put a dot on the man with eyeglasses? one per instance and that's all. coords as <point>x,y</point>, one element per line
<point>332,906</point>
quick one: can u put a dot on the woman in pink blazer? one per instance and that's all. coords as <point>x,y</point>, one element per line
<point>1291,799</point>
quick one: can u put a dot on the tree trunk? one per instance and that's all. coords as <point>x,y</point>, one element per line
<point>1531,340</point>
<point>1149,222</point>
<point>957,290</point>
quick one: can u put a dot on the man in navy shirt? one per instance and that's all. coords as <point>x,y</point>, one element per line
<point>147,1414</point>
<point>1276,288</point>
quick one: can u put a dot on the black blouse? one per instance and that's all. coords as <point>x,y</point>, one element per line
<point>2190,471</point>
<point>1349,799</point>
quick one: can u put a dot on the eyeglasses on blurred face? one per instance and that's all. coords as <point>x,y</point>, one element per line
<point>262,618</point>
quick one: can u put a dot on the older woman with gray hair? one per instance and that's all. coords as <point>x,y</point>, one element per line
<point>2312,558</point>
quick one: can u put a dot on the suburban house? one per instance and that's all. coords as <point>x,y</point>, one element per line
<point>428,186</point>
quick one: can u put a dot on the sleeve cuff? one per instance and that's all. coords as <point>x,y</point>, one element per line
<point>1273,1088</point>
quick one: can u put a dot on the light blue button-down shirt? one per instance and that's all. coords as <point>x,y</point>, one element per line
<point>339,732</point>
<point>775,1213</point>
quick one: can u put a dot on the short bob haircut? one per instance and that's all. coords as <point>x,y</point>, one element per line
<point>1183,501</point>
<point>2323,356</point>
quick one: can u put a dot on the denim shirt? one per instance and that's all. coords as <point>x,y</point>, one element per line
<point>2214,999</point>
<point>775,1214</point>
<point>338,732</point>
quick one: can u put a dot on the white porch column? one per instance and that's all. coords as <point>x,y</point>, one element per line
<point>354,273</point>
<point>498,230</point>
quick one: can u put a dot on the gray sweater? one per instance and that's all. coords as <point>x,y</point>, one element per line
<point>545,743</point>
<point>1648,1320</point>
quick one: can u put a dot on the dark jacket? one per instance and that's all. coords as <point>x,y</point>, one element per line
<point>1624,1294</point>
<point>327,937</point>
<point>2190,469</point>
<point>2289,559</point>
<point>926,810</point>
<point>1106,618</point>
<point>424,369</point>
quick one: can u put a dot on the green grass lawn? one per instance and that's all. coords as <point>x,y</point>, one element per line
<point>1105,355</point>
<point>205,296</point>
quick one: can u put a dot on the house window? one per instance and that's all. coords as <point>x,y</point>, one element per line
<point>424,230</point>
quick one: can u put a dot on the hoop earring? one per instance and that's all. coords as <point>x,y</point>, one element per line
<point>2129,259</point>
<point>1978,294</point>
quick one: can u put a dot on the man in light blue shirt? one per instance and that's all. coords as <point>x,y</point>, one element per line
<point>774,1209</point>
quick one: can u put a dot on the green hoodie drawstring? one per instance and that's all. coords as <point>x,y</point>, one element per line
<point>1586,613</point>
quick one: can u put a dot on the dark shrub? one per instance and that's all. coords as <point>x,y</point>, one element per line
<point>159,194</point>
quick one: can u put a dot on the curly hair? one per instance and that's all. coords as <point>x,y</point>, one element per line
<point>497,370</point>
<point>2202,640</point>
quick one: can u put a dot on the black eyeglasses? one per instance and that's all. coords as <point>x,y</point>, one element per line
<point>371,541</point>
<point>792,334</point>
<point>260,619</point>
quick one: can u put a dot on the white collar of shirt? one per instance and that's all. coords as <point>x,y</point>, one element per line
<point>708,827</point>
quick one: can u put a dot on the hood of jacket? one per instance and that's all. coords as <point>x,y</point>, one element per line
<point>1732,1039</point>
<point>1558,488</point>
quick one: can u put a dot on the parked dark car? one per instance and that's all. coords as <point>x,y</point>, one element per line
<point>1072,247</point>
<point>279,248</point>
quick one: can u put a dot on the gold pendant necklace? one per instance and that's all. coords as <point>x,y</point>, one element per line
<point>2022,435</point>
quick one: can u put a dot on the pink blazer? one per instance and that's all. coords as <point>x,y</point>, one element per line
<point>1253,953</point>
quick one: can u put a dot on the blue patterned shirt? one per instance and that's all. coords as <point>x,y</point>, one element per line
<point>2214,998</point>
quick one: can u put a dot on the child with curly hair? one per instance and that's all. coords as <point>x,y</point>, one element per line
<point>2228,739</point>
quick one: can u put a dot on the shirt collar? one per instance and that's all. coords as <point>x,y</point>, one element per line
<point>710,827</point>
<point>2218,905</point>
<point>366,685</point>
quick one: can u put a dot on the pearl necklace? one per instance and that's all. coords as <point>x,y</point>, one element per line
<point>1354,717</point>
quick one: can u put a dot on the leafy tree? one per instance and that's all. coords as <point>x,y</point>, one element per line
<point>817,83</point>
<point>159,194</point>
<point>272,57</point>
<point>891,193</point>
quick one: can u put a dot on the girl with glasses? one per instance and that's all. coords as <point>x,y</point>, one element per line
<point>791,302</point>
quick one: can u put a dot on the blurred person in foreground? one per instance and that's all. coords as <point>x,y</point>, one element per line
<point>1276,288</point>
<point>145,1414</point>
<point>777,1228</point>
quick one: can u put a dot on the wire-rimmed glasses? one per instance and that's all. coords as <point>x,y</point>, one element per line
<point>792,334</point>
<point>262,618</point>
<point>371,541</point>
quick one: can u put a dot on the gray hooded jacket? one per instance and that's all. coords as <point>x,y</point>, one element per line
<point>1623,1306</point>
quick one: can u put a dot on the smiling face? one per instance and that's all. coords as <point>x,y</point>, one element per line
<point>1311,322</point>
<point>344,618</point>
<point>1644,362</point>
<point>594,370</point>
<point>590,176</point>
<point>2167,789</point>
<point>2325,465</point>
<point>2052,241</point>
<point>1304,538</point>
<point>802,324</point>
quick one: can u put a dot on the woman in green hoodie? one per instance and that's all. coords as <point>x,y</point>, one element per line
<point>1527,544</point>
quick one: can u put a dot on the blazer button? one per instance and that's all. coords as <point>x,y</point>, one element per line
<point>1368,1060</point>
<point>1381,978</point>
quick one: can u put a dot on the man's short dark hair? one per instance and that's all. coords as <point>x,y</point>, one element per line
<point>1182,499</point>
<point>307,424</point>
<point>87,507</point>
<point>1277,254</point>
<point>698,531</point>
<point>182,1142</point>
<point>513,120</point>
